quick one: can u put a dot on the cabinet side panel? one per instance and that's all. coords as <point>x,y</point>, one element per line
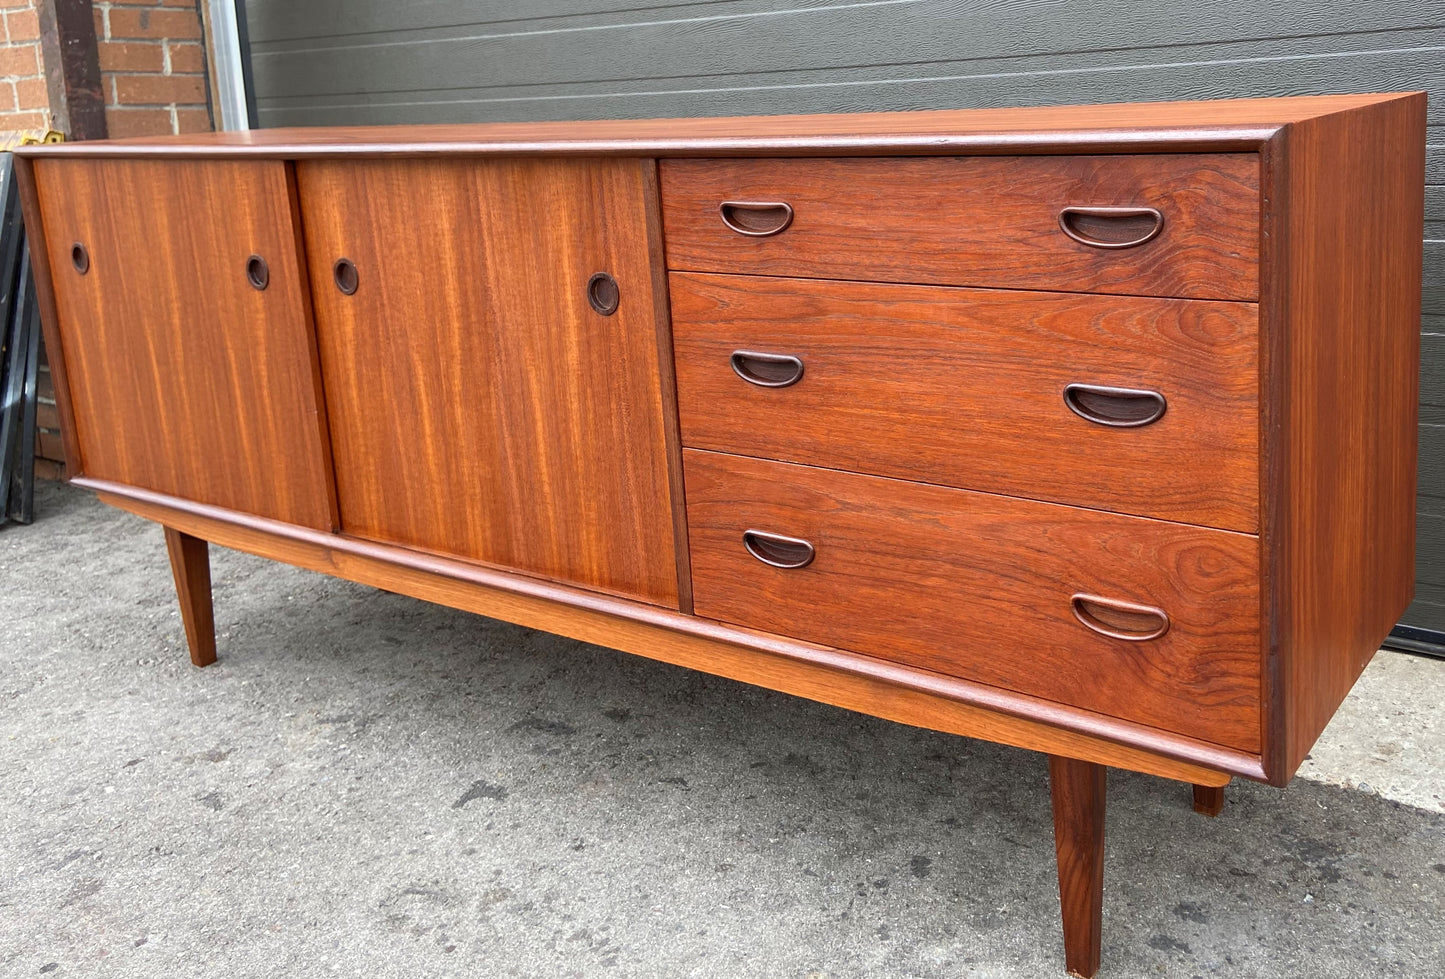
<point>45,298</point>
<point>1349,353</point>
<point>479,405</point>
<point>184,376</point>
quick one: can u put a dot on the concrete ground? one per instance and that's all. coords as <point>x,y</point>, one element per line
<point>367,785</point>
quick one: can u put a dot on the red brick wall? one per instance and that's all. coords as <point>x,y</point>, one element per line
<point>24,102</point>
<point>152,64</point>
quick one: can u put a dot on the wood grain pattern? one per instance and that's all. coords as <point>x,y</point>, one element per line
<point>941,579</point>
<point>1216,125</point>
<point>1209,799</point>
<point>479,406</point>
<point>182,377</point>
<point>873,686</point>
<point>1342,365</point>
<point>976,221</point>
<point>485,416</point>
<point>964,387</point>
<point>667,374</point>
<point>191,568</point>
<point>1079,790</point>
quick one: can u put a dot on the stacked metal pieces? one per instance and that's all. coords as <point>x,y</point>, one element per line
<point>19,357</point>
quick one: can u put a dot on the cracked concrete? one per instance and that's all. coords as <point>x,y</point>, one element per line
<point>367,785</point>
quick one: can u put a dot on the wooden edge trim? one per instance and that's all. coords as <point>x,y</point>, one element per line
<point>667,376</point>
<point>832,676</point>
<point>1274,456</point>
<point>49,317</point>
<point>1202,139</point>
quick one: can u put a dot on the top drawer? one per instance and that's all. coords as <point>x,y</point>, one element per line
<point>1182,225</point>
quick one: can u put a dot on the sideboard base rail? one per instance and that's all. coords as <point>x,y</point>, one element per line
<point>1078,785</point>
<point>849,680</point>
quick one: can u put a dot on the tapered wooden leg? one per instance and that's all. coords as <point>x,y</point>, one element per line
<point>1209,799</point>
<point>191,566</point>
<point>1078,790</point>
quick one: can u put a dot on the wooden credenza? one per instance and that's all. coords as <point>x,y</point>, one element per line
<point>1088,430</point>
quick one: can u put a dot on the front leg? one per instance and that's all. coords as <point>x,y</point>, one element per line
<point>191,566</point>
<point>1209,799</point>
<point>1078,789</point>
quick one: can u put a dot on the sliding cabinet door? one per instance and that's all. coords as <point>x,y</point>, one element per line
<point>489,335</point>
<point>183,315</point>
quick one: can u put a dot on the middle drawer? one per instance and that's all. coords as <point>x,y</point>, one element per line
<point>1138,405</point>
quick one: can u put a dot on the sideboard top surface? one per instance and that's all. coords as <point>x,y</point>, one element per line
<point>1240,124</point>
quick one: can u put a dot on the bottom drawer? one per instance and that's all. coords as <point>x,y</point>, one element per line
<point>1140,619</point>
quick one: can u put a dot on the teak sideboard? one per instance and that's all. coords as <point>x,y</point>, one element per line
<point>1088,430</point>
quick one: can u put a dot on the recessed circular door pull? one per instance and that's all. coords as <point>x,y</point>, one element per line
<point>603,294</point>
<point>777,550</point>
<point>767,370</point>
<point>1111,227</point>
<point>1115,407</point>
<point>346,277</point>
<point>258,273</point>
<point>1120,620</point>
<point>80,258</point>
<point>756,219</point>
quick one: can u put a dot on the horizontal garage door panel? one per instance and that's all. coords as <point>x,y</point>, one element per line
<point>335,62</point>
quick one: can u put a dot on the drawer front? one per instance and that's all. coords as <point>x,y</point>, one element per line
<point>983,587</point>
<point>987,390</point>
<point>976,221</point>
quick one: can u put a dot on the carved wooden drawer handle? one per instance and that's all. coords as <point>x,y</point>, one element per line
<point>1111,227</point>
<point>777,550</point>
<point>756,219</point>
<point>1120,620</point>
<point>1115,407</point>
<point>767,370</point>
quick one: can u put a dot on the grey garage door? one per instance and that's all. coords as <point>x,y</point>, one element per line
<point>328,62</point>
